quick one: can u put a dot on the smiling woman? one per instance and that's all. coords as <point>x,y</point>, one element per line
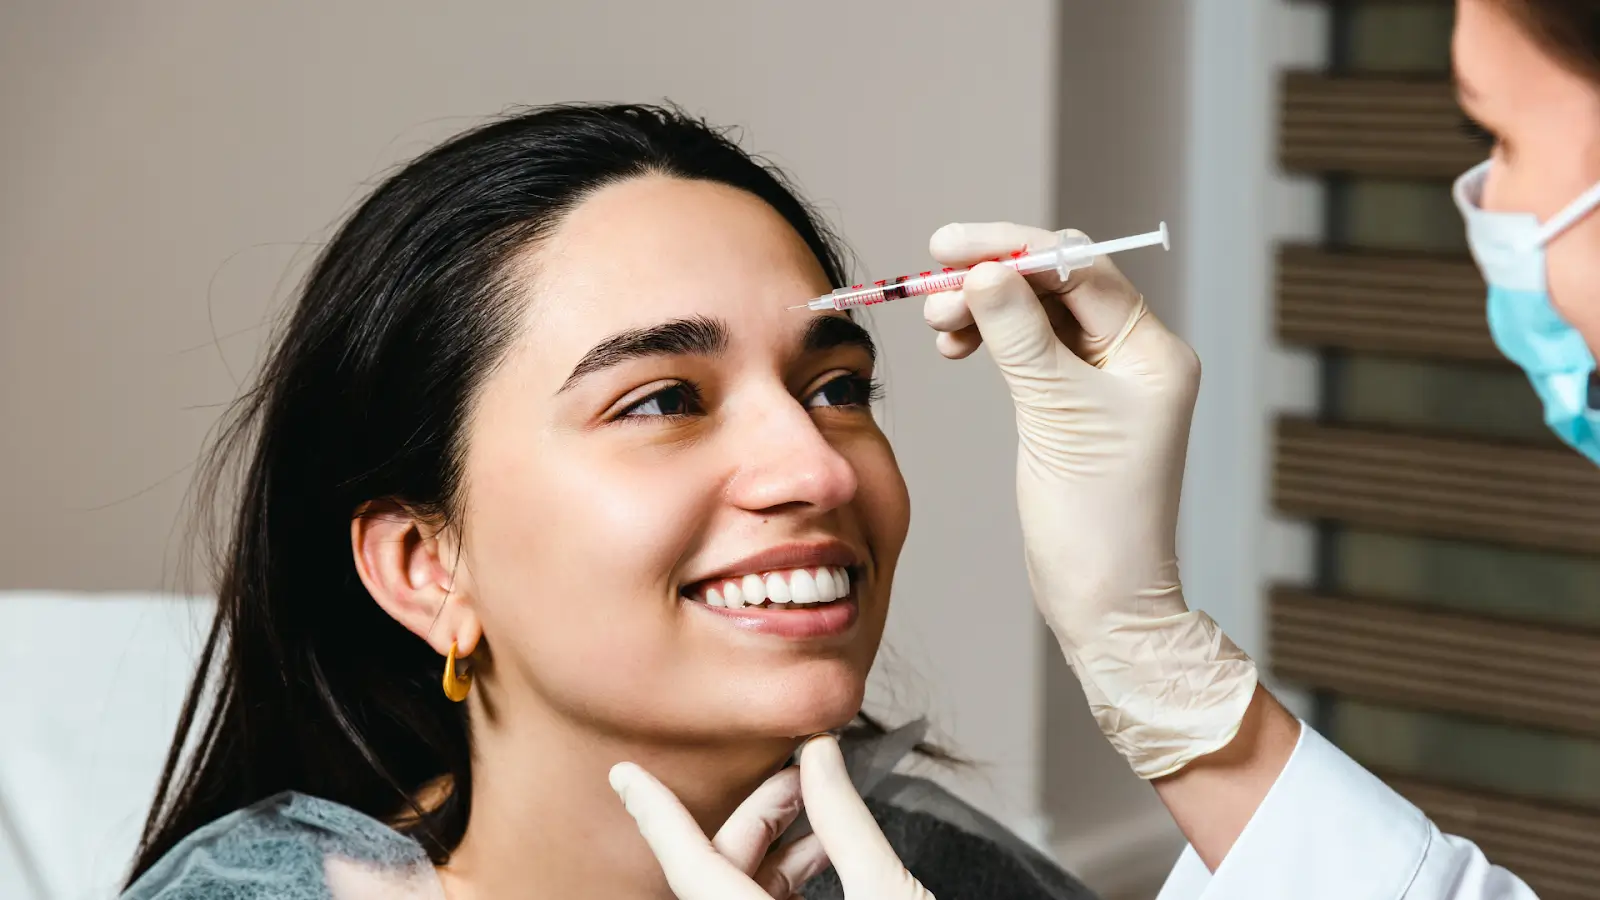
<point>542,427</point>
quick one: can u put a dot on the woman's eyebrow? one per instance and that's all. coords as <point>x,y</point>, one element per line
<point>693,336</point>
<point>827,332</point>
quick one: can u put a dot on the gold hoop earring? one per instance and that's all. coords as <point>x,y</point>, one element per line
<point>456,686</point>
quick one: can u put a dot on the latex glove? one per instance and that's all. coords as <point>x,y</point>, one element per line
<point>757,824</point>
<point>1104,397</point>
<point>843,831</point>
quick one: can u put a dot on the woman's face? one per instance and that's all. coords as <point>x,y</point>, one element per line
<point>664,428</point>
<point>1545,121</point>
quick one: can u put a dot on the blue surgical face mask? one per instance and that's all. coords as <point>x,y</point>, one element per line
<point>1509,249</point>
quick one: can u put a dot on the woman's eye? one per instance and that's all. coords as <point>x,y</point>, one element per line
<point>1478,134</point>
<point>847,390</point>
<point>671,402</point>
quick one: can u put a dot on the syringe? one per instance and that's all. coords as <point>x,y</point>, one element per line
<point>1074,252</point>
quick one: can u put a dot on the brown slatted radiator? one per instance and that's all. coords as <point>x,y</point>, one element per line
<point>1514,673</point>
<point>1372,126</point>
<point>1523,496</point>
<point>1410,305</point>
<point>1554,849</point>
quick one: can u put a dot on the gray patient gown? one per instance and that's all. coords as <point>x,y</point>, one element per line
<point>295,847</point>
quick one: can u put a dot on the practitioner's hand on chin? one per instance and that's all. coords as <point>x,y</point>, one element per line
<point>745,839</point>
<point>735,865</point>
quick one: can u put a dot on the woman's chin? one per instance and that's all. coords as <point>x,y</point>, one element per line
<point>810,705</point>
<point>802,726</point>
<point>765,702</point>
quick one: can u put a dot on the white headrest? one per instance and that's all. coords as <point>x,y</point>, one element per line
<point>96,685</point>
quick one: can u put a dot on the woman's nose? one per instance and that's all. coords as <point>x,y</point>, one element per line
<point>786,460</point>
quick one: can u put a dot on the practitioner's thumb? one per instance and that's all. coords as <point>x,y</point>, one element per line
<point>1014,324</point>
<point>865,860</point>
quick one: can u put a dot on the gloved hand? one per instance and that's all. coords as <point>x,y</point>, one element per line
<point>1104,396</point>
<point>730,867</point>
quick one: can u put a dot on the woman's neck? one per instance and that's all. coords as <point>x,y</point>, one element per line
<point>545,822</point>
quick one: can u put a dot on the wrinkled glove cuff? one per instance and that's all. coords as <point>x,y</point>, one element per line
<point>1166,691</point>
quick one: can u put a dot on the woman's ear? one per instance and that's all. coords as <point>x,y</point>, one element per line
<point>409,568</point>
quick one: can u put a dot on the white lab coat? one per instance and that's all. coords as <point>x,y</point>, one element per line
<point>1330,830</point>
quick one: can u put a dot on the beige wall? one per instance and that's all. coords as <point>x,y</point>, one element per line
<point>162,163</point>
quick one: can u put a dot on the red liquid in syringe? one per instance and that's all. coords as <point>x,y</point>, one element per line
<point>919,285</point>
<point>1073,252</point>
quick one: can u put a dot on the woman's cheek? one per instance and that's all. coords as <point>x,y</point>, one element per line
<point>594,543</point>
<point>884,497</point>
<point>639,520</point>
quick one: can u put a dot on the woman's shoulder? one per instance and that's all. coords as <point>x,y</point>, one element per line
<point>956,851</point>
<point>290,847</point>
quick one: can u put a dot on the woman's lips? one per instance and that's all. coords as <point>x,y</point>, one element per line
<point>793,622</point>
<point>799,591</point>
<point>799,555</point>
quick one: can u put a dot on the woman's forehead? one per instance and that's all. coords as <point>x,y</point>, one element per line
<point>655,249</point>
<point>654,227</point>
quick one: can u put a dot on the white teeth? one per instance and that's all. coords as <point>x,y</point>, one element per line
<point>800,587</point>
<point>803,588</point>
<point>777,589</point>
<point>826,588</point>
<point>755,590</point>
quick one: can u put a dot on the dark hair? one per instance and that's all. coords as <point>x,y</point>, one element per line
<point>1568,30</point>
<point>304,682</point>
